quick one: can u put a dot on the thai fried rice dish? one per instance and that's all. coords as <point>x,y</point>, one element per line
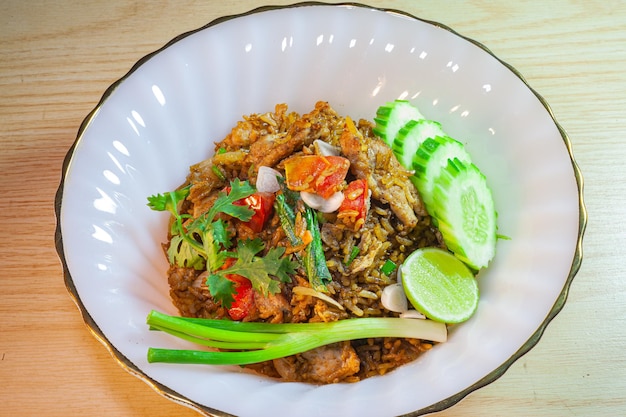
<point>342,210</point>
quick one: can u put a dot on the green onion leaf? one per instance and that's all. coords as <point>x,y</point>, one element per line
<point>388,267</point>
<point>218,172</point>
<point>353,254</point>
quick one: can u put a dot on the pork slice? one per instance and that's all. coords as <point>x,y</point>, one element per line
<point>332,363</point>
<point>271,149</point>
<point>287,368</point>
<point>373,161</point>
<point>326,364</point>
<point>321,123</point>
<point>273,307</point>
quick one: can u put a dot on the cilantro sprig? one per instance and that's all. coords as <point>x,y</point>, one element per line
<point>204,243</point>
<point>257,269</point>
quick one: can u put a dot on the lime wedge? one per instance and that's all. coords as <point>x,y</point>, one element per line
<point>439,285</point>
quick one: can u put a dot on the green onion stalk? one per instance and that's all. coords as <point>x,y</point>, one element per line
<point>249,342</point>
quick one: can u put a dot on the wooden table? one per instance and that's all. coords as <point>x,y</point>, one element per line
<point>57,58</point>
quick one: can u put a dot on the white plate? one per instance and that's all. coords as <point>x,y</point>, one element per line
<point>164,115</point>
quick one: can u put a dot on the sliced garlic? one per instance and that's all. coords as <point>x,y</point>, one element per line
<point>394,299</point>
<point>319,203</point>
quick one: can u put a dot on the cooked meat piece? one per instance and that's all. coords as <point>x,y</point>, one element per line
<point>201,201</point>
<point>287,368</point>
<point>372,160</point>
<point>270,149</point>
<point>326,364</point>
<point>243,134</point>
<point>332,363</point>
<point>332,235</point>
<point>203,183</point>
<point>273,307</point>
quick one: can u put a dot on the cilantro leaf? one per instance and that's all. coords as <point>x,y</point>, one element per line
<point>224,202</point>
<point>215,257</point>
<point>221,233</point>
<point>168,201</point>
<point>248,248</point>
<point>203,237</point>
<point>260,269</point>
<point>221,289</point>
<point>279,266</point>
<point>182,254</point>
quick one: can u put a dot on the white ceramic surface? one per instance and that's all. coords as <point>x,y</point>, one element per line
<point>164,115</point>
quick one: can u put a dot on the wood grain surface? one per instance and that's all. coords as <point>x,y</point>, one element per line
<point>58,57</point>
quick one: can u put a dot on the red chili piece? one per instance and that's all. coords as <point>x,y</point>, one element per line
<point>243,296</point>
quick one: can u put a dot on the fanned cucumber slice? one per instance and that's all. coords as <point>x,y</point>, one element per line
<point>391,116</point>
<point>411,136</point>
<point>465,212</point>
<point>454,190</point>
<point>430,158</point>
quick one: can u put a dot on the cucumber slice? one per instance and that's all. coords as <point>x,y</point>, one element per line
<point>465,212</point>
<point>430,158</point>
<point>411,136</point>
<point>391,116</point>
